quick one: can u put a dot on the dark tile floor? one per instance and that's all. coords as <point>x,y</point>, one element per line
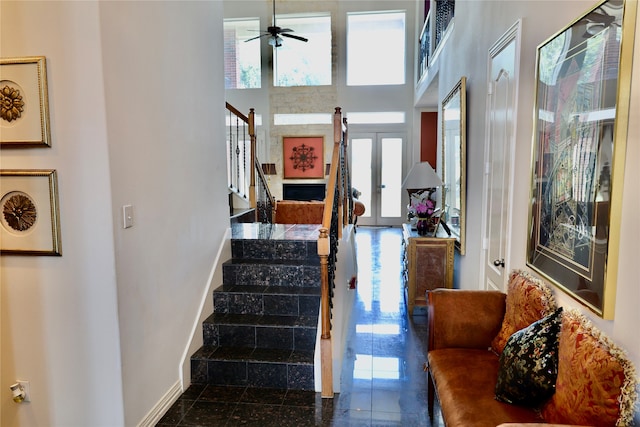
<point>382,380</point>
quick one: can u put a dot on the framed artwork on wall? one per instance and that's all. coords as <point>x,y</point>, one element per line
<point>24,103</point>
<point>303,157</point>
<point>581,119</point>
<point>30,219</point>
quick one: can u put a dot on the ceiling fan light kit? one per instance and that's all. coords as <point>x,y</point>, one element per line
<point>275,41</point>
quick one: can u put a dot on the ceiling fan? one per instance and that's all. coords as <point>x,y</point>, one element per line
<point>274,32</point>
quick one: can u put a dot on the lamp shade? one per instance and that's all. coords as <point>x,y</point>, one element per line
<point>421,175</point>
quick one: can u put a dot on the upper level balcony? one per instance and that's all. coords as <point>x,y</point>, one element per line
<point>437,25</point>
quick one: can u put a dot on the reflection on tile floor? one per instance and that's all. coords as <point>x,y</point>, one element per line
<point>382,381</point>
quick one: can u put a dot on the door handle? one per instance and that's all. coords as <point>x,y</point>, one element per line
<point>499,262</point>
<point>382,186</point>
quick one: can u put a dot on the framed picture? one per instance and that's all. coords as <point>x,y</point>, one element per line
<point>29,224</point>
<point>303,157</point>
<point>24,111</point>
<point>581,117</point>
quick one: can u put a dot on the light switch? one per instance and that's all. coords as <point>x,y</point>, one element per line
<point>127,216</point>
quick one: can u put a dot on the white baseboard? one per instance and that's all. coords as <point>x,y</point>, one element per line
<point>194,342</point>
<point>163,405</point>
<point>195,339</point>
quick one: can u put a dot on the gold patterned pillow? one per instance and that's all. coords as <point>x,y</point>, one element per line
<point>528,300</point>
<point>596,383</point>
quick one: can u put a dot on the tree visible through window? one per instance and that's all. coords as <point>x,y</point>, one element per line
<point>376,48</point>
<point>241,60</point>
<point>297,63</point>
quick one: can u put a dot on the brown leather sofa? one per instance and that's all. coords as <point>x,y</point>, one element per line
<point>299,212</point>
<point>469,329</point>
<point>307,212</point>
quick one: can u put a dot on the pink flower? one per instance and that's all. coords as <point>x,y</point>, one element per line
<point>425,208</point>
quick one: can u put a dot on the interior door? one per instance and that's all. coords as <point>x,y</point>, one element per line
<point>376,171</point>
<point>501,114</point>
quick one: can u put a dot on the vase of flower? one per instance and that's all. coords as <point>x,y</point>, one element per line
<point>423,208</point>
<point>422,226</point>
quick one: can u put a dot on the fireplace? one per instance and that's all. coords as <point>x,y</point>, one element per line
<point>304,192</point>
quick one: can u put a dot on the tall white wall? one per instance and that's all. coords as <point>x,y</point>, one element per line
<point>136,98</point>
<point>59,315</point>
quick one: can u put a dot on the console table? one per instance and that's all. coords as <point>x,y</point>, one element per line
<point>427,264</point>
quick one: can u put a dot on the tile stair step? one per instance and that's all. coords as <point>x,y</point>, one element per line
<point>277,300</point>
<point>268,289</point>
<point>262,320</point>
<point>267,249</point>
<point>260,331</point>
<point>254,272</point>
<point>250,354</point>
<point>268,368</point>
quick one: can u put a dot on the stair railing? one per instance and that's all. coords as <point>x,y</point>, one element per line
<point>338,208</point>
<point>245,176</point>
<point>264,203</point>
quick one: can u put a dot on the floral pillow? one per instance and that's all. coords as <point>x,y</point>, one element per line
<point>596,382</point>
<point>528,300</point>
<point>529,363</point>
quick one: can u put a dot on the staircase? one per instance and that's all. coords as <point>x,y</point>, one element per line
<point>262,332</point>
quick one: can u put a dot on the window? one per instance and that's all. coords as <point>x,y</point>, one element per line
<point>241,60</point>
<point>376,48</point>
<point>386,117</point>
<point>303,119</point>
<point>297,63</point>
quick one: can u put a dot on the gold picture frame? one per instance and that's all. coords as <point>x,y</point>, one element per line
<point>581,115</point>
<point>454,161</point>
<point>24,111</point>
<point>29,214</point>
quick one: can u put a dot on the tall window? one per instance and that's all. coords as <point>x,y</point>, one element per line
<point>297,63</point>
<point>376,48</point>
<point>241,60</point>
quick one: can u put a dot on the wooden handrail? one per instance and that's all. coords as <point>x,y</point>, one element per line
<point>337,211</point>
<point>237,112</point>
<point>257,191</point>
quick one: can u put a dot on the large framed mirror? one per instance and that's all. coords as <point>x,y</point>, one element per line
<point>454,147</point>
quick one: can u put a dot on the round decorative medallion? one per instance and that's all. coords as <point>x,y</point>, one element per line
<point>19,212</point>
<point>11,102</point>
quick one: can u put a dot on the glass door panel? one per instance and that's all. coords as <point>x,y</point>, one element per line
<point>391,174</point>
<point>362,171</point>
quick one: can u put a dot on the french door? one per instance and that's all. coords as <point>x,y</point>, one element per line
<point>376,172</point>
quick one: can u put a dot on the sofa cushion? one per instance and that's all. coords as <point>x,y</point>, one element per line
<point>299,212</point>
<point>529,363</point>
<point>528,300</point>
<point>465,381</point>
<point>596,382</point>
<point>464,318</point>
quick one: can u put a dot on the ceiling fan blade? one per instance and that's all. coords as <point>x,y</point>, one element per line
<point>257,37</point>
<point>302,39</point>
<point>285,30</point>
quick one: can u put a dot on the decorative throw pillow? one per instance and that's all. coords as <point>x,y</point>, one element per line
<point>596,382</point>
<point>529,363</point>
<point>528,300</point>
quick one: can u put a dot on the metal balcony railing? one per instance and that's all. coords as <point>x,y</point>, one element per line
<point>435,26</point>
